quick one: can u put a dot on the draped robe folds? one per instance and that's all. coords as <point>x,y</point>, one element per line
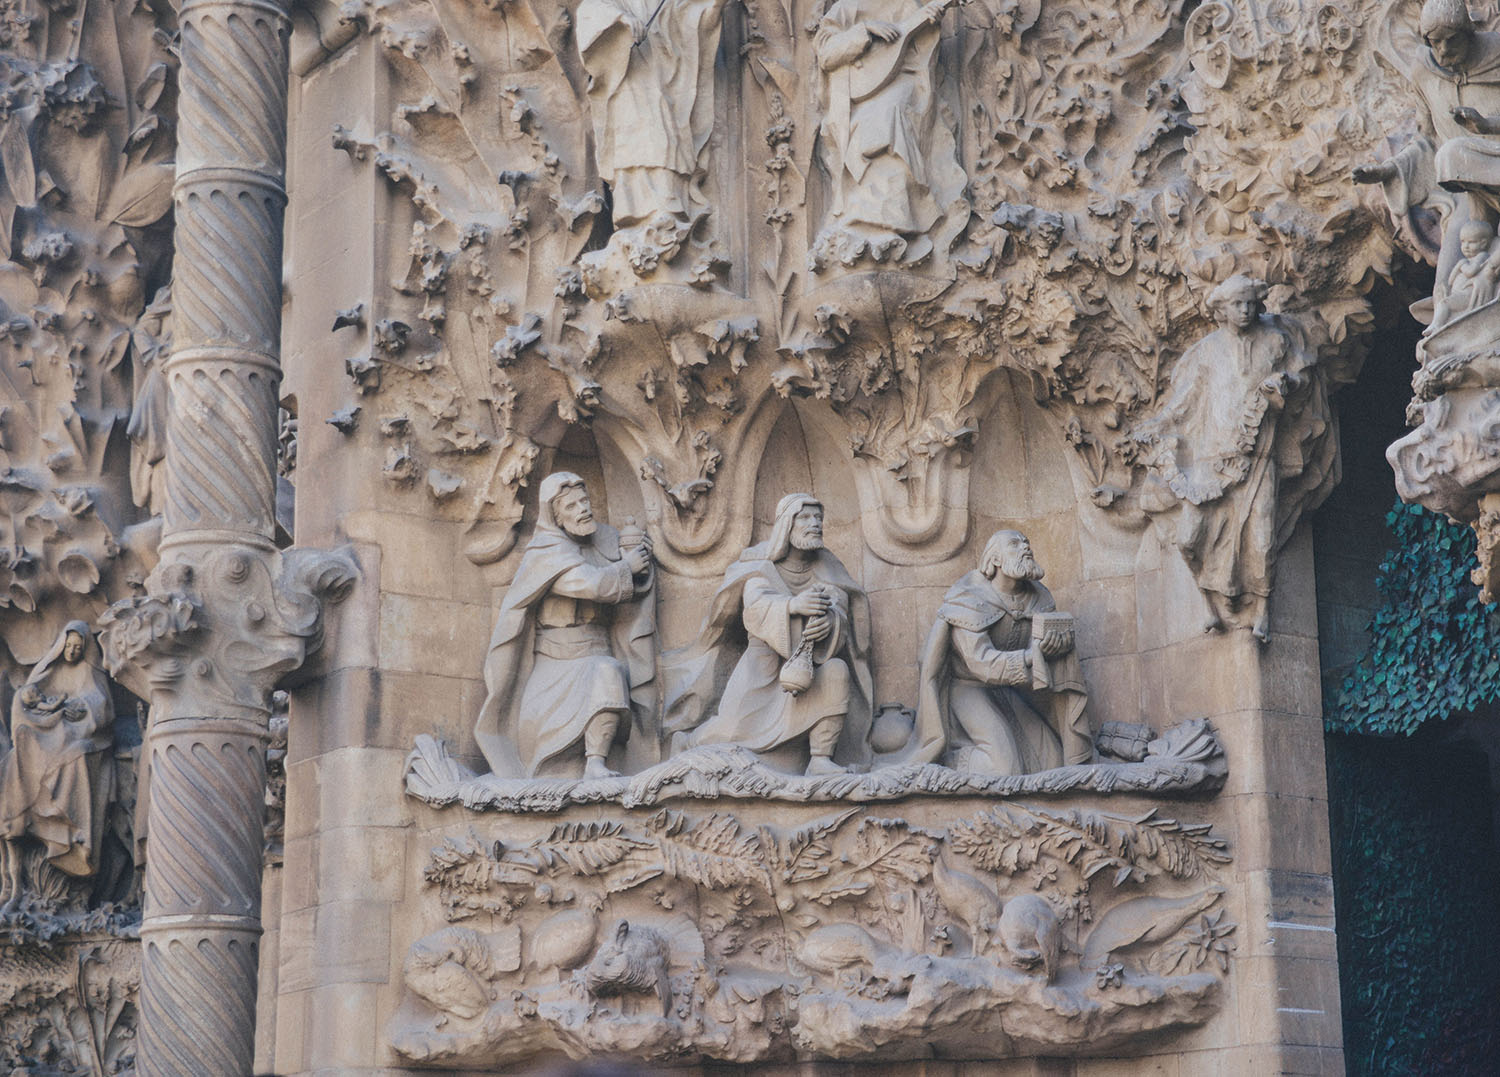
<point>881,113</point>
<point>1461,160</point>
<point>1227,449</point>
<point>57,778</point>
<point>652,103</point>
<point>570,673</point>
<point>755,712</point>
<point>976,691</point>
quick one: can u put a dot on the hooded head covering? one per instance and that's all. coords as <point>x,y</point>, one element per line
<point>780,542</point>
<point>1445,15</point>
<point>552,487</point>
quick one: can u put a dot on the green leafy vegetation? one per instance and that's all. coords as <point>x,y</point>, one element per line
<point>1434,646</point>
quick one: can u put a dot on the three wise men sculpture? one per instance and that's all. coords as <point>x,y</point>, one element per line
<point>57,766</point>
<point>1000,688</point>
<point>571,667</point>
<point>1242,442</point>
<point>799,694</point>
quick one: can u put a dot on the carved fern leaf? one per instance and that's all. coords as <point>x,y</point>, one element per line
<point>712,853</point>
<point>587,848</point>
<point>892,847</point>
<point>807,854</point>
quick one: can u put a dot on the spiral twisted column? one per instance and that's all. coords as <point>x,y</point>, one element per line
<point>240,622</point>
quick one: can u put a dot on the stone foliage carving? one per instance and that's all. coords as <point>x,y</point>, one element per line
<point>685,934</point>
<point>998,135</point>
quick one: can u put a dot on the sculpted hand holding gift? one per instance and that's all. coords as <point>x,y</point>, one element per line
<point>804,676</point>
<point>57,778</point>
<point>572,661</point>
<point>1001,688</point>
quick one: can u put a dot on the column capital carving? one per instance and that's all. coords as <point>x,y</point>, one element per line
<point>220,624</point>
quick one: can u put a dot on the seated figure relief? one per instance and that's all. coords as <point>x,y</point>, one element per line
<point>804,677</point>
<point>571,665</point>
<point>57,770</point>
<point>1001,690</point>
<point>1457,76</point>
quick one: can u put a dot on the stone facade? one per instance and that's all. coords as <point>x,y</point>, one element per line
<point>675,407</point>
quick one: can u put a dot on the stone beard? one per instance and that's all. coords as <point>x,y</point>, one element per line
<point>577,628</point>
<point>770,592</point>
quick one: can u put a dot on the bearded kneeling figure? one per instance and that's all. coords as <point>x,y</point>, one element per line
<point>1001,691</point>
<point>802,684</point>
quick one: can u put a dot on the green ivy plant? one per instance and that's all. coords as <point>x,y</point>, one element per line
<point>1434,646</point>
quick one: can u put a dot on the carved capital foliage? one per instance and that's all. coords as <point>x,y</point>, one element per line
<point>220,625</point>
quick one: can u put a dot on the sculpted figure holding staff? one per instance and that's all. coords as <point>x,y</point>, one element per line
<point>572,661</point>
<point>804,676</point>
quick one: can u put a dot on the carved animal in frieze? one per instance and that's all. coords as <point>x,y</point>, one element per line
<point>1031,933</point>
<point>563,941</point>
<point>637,960</point>
<point>971,902</point>
<point>1143,921</point>
<point>454,968</point>
<point>836,948</point>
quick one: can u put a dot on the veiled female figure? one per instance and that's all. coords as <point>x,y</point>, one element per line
<point>57,778</point>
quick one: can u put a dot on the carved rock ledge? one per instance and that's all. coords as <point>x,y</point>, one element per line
<point>1187,761</point>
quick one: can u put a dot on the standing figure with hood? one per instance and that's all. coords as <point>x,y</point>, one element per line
<point>803,682</point>
<point>57,776</point>
<point>1001,690</point>
<point>577,629</point>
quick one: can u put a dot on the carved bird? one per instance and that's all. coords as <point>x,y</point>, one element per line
<point>1143,920</point>
<point>564,940</point>
<point>970,901</point>
<point>1031,933</point>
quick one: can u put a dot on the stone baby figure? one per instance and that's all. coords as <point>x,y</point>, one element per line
<point>577,628</point>
<point>804,676</point>
<point>1472,283</point>
<point>1001,691</point>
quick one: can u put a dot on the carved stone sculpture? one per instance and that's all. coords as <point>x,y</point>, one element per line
<point>651,71</point>
<point>805,668</point>
<point>57,777</point>
<point>1001,691</point>
<point>1457,77</point>
<point>1473,280</point>
<point>888,151</point>
<point>572,660</point>
<point>1245,428</point>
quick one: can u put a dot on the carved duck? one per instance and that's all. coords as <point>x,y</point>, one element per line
<point>1143,920</point>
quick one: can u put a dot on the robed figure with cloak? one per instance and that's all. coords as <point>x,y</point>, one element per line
<point>1244,440</point>
<point>572,660</point>
<point>57,771</point>
<point>801,689</point>
<point>994,696</point>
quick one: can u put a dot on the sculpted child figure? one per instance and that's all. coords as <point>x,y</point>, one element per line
<point>804,676</point>
<point>1001,691</point>
<point>1472,283</point>
<point>577,629</point>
